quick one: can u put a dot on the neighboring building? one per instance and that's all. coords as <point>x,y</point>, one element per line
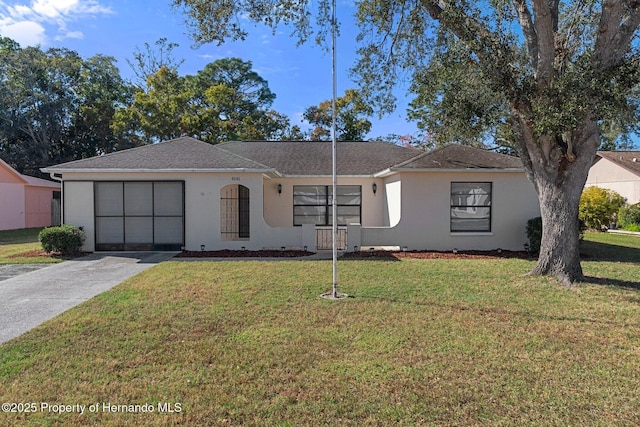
<point>618,171</point>
<point>26,201</point>
<point>188,194</point>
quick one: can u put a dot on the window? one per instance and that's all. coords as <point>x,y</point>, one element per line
<point>312,204</point>
<point>470,206</point>
<point>234,212</point>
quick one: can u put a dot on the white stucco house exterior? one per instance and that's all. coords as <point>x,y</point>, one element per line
<point>188,194</point>
<point>618,171</point>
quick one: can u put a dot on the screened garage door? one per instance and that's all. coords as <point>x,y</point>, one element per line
<point>135,216</point>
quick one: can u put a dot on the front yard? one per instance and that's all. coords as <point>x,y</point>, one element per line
<point>421,342</point>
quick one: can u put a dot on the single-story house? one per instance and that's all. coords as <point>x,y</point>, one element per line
<point>27,201</point>
<point>191,195</point>
<point>618,171</point>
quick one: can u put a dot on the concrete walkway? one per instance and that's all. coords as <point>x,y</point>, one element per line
<point>28,299</point>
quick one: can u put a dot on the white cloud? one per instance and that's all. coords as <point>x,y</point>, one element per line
<point>29,24</point>
<point>26,33</point>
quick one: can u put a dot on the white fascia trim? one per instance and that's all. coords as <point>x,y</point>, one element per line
<point>467,170</point>
<point>103,170</point>
<point>326,176</point>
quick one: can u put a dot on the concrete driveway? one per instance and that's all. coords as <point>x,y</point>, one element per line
<point>28,299</point>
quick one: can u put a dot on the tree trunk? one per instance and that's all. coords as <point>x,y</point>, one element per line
<point>558,171</point>
<point>559,249</point>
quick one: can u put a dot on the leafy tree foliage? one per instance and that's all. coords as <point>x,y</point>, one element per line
<point>599,207</point>
<point>225,101</point>
<point>55,106</point>
<point>542,75</point>
<point>149,60</point>
<point>352,123</point>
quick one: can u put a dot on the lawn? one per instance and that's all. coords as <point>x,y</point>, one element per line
<point>420,342</point>
<point>19,247</point>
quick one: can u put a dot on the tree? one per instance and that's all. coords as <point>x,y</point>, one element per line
<point>351,118</point>
<point>550,71</point>
<point>232,102</point>
<point>158,113</point>
<point>55,106</point>
<point>149,61</point>
<point>599,206</point>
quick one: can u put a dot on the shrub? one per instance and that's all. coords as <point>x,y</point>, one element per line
<point>629,216</point>
<point>65,239</point>
<point>534,234</point>
<point>599,207</point>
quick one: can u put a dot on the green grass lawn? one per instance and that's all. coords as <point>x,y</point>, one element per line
<point>14,244</point>
<point>420,342</point>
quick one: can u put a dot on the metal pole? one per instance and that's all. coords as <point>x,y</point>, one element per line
<point>334,149</point>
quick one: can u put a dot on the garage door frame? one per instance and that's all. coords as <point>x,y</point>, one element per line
<point>153,245</point>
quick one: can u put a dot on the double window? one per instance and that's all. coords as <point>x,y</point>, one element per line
<point>470,206</point>
<point>312,204</point>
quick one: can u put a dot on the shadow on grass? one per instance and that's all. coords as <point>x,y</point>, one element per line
<point>594,251</point>
<point>493,311</point>
<point>603,281</point>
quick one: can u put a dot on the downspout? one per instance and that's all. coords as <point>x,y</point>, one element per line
<point>58,177</point>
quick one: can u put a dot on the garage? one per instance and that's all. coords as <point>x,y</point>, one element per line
<point>139,215</point>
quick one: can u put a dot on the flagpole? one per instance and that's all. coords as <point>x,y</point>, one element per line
<point>334,149</point>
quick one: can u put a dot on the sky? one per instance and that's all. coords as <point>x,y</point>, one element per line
<point>299,76</point>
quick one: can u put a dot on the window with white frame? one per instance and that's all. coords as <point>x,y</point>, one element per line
<point>312,204</point>
<point>470,207</point>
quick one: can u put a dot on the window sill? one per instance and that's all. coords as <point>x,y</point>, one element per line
<point>471,233</point>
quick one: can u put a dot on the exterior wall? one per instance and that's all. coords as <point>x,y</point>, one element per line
<point>408,209</point>
<point>278,208</point>
<point>606,174</point>
<point>77,209</point>
<point>12,204</point>
<point>38,206</point>
<point>202,209</point>
<point>425,215</point>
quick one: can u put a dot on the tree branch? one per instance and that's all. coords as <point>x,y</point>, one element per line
<point>546,24</point>
<point>529,30</point>
<point>618,23</point>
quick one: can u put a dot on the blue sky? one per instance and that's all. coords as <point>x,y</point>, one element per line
<point>299,76</point>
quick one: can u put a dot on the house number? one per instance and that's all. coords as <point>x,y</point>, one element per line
<point>235,178</point>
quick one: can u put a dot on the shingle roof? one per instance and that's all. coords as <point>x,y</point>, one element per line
<point>461,157</point>
<point>624,159</point>
<point>180,153</point>
<point>314,157</point>
<point>290,158</point>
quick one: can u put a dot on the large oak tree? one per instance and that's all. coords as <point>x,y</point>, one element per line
<point>550,73</point>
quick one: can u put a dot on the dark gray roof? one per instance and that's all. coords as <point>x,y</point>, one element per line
<point>624,159</point>
<point>314,157</point>
<point>290,158</point>
<point>461,157</point>
<point>180,153</point>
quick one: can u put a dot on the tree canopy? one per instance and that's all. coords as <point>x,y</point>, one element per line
<point>55,106</point>
<point>352,123</point>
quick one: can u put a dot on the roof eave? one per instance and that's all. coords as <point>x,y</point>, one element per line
<point>509,170</point>
<point>169,170</point>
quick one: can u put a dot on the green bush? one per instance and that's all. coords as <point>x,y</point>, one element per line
<point>65,239</point>
<point>534,234</point>
<point>629,217</point>
<point>599,207</point>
